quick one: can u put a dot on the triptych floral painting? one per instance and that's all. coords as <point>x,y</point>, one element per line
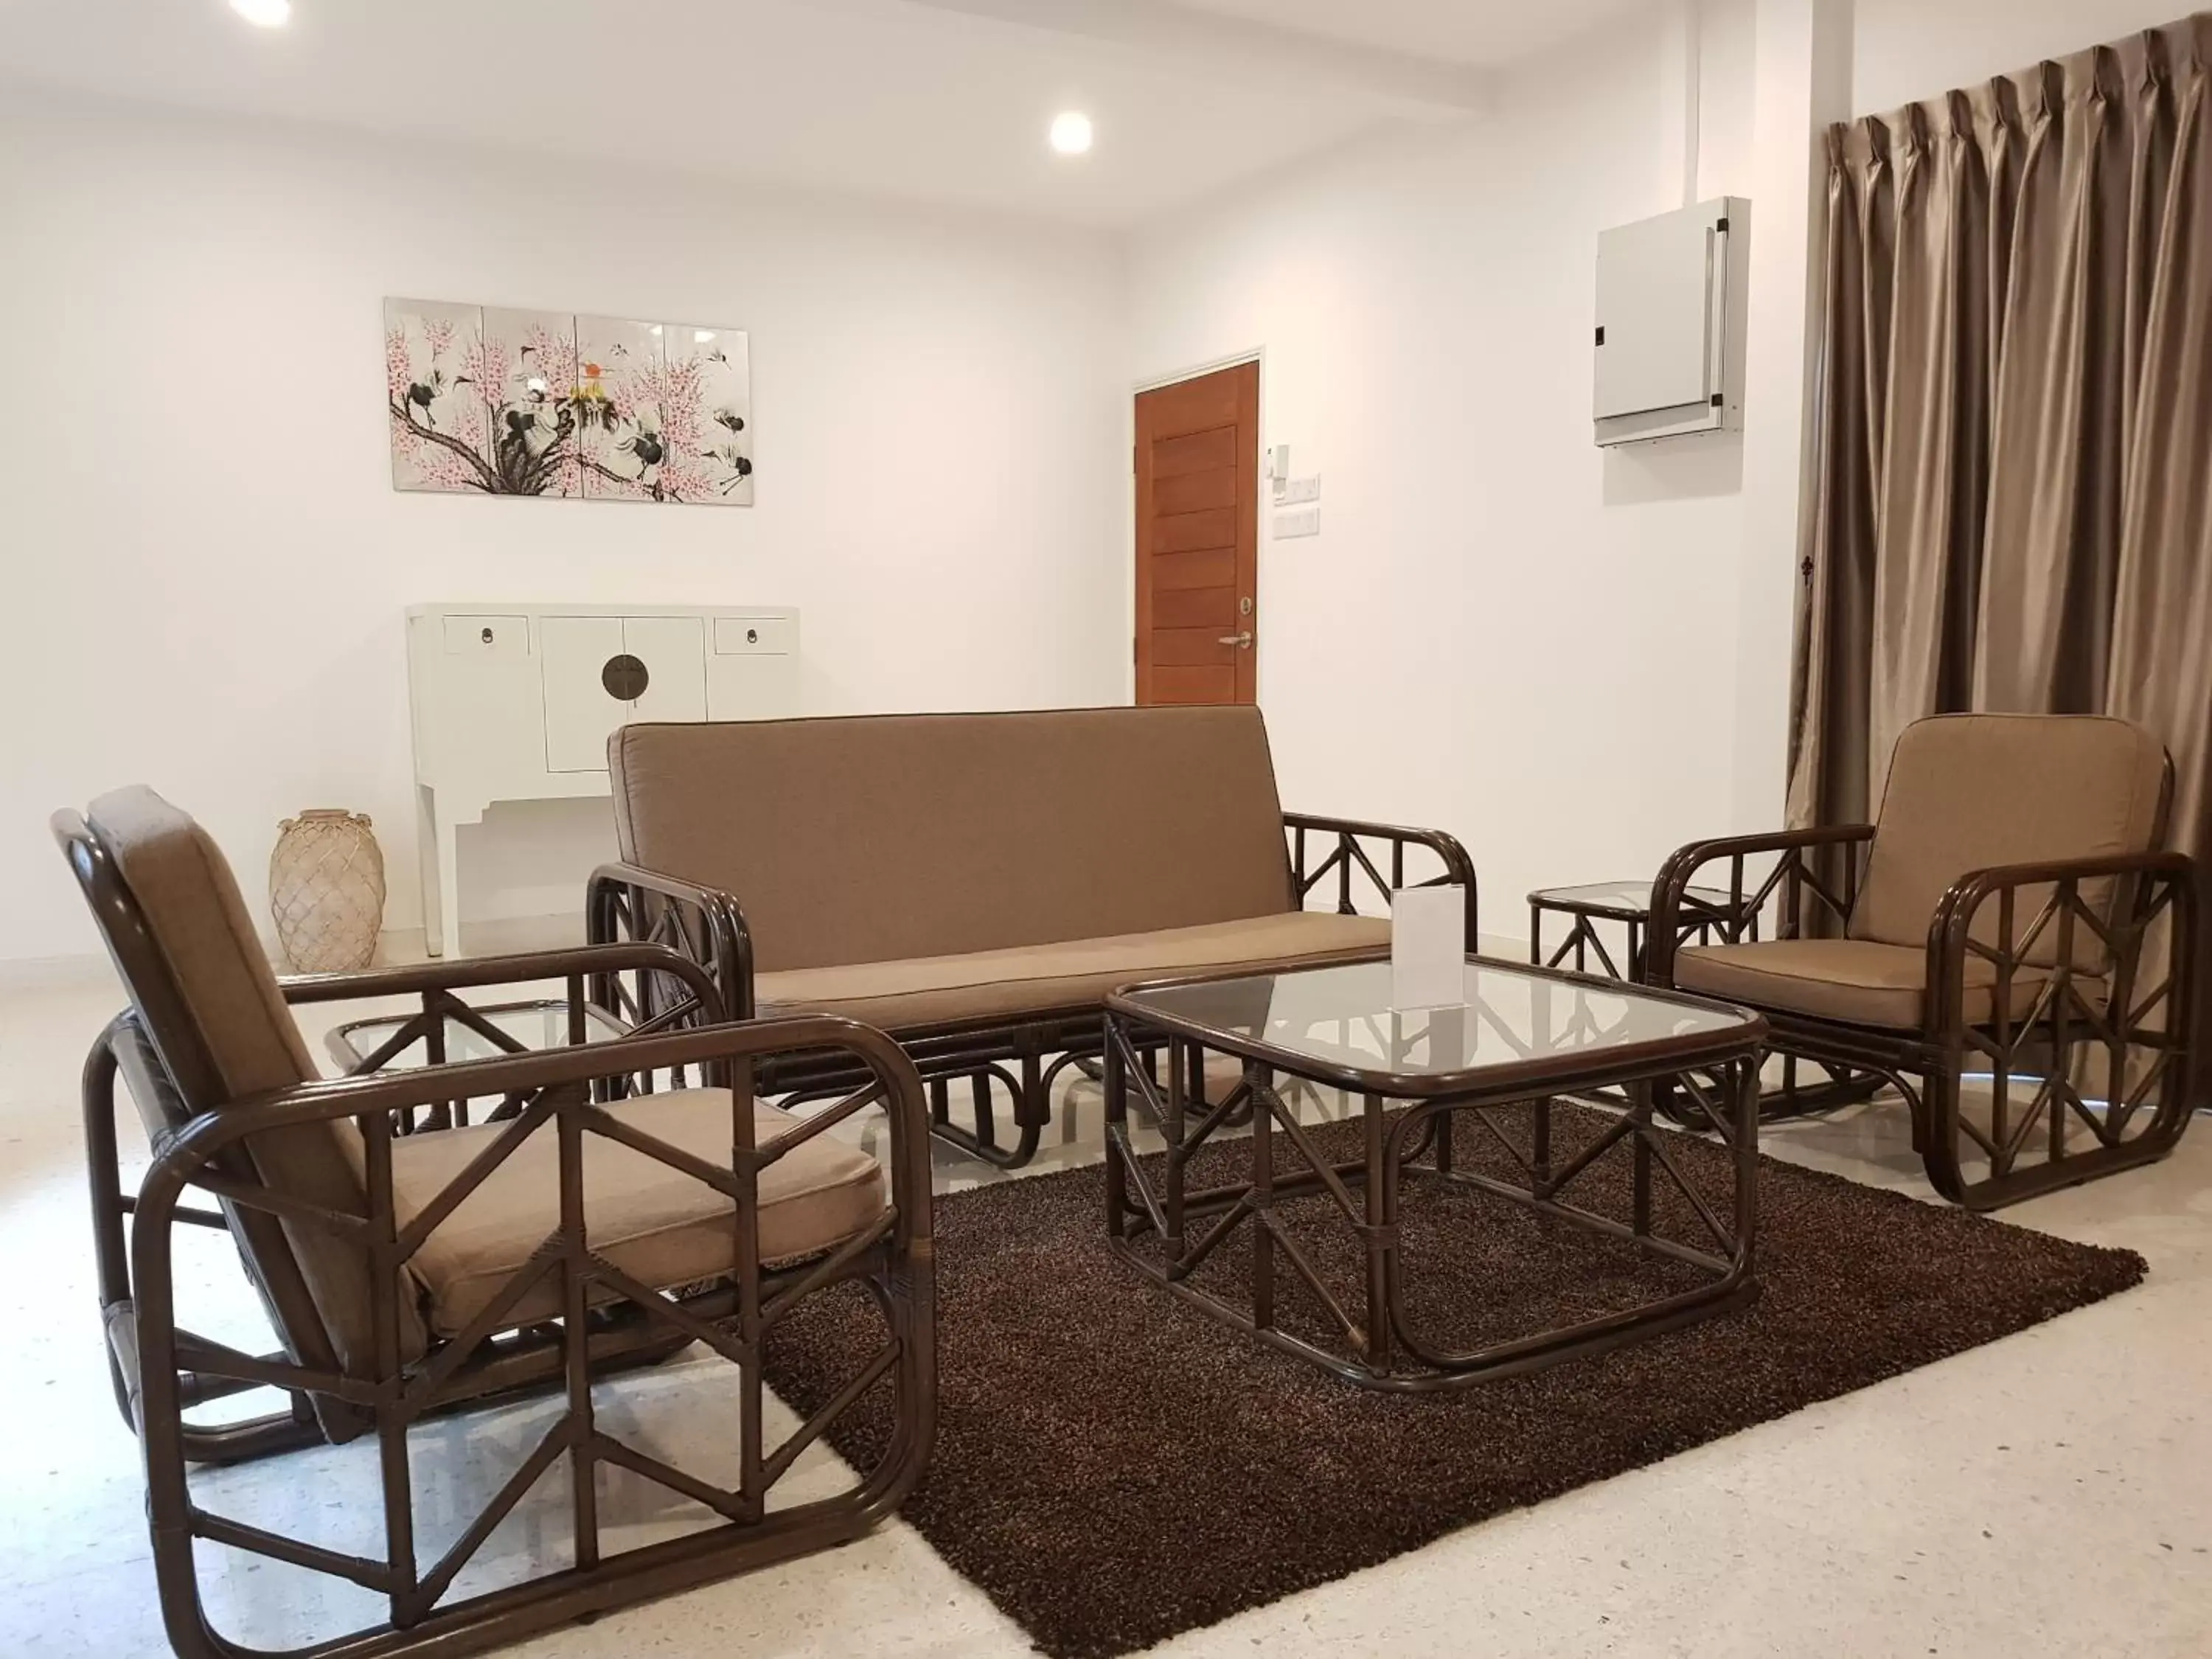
<point>534,403</point>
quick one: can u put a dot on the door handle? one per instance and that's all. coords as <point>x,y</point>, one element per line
<point>1241,641</point>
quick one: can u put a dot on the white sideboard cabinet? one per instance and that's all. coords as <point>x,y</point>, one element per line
<point>516,702</point>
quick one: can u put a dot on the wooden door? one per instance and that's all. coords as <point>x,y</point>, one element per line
<point>1198,538</point>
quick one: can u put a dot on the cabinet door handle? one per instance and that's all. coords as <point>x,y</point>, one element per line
<point>624,678</point>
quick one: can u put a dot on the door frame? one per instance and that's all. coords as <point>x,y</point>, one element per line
<point>1128,579</point>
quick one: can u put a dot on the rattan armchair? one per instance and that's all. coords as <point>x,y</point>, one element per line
<point>2009,921</point>
<point>411,1271</point>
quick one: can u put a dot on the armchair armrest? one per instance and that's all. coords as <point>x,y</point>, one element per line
<point>370,1097</point>
<point>435,983</point>
<point>557,1083</point>
<point>1347,855</point>
<point>703,923</point>
<point>464,973</point>
<point>1670,892</point>
<point>2147,884</point>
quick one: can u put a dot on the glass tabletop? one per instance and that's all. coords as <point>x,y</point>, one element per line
<point>1624,898</point>
<point>1339,1019</point>
<point>532,1024</point>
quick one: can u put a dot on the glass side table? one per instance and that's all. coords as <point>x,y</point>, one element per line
<point>460,1031</point>
<point>1709,917</point>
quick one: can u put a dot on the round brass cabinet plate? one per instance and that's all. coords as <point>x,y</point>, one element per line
<point>624,678</point>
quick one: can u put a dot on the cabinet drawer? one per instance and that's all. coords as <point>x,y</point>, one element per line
<point>490,639</point>
<point>755,636</point>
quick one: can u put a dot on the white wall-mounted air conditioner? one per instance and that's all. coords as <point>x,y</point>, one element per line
<point>1672,294</point>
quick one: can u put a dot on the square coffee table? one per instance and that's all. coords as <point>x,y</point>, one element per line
<point>1492,1066</point>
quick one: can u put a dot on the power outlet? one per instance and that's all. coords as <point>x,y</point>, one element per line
<point>1298,521</point>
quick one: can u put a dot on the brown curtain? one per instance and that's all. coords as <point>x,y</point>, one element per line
<point>2014,507</point>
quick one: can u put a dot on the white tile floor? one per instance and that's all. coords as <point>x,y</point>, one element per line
<point>2050,1494</point>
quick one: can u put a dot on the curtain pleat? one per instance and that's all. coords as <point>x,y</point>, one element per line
<point>2014,459</point>
<point>2162,667</point>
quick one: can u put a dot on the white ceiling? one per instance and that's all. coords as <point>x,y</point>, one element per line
<point>1491,33</point>
<point>945,100</point>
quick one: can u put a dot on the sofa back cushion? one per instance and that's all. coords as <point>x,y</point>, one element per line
<point>222,988</point>
<point>1966,792</point>
<point>875,838</point>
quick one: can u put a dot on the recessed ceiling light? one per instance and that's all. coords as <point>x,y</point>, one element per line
<point>1070,133</point>
<point>266,13</point>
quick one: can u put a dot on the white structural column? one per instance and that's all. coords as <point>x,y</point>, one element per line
<point>1802,82</point>
<point>1680,66</point>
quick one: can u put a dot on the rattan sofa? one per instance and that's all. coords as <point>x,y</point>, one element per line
<point>976,883</point>
<point>2010,921</point>
<point>412,1271</point>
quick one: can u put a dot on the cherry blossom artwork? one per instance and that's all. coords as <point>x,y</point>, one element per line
<point>625,444</point>
<point>433,374</point>
<point>530,364</point>
<point>709,377</point>
<point>528,403</point>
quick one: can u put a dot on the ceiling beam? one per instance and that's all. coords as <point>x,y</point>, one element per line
<point>1250,51</point>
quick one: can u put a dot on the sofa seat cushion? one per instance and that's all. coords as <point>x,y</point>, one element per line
<point>1075,974</point>
<point>1859,981</point>
<point>658,1225</point>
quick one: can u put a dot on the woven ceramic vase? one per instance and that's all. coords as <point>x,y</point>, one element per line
<point>326,890</point>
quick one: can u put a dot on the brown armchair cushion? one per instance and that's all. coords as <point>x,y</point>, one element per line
<point>881,838</point>
<point>200,925</point>
<point>658,1225</point>
<point>1861,982</point>
<point>198,919</point>
<point>1967,792</point>
<point>1040,978</point>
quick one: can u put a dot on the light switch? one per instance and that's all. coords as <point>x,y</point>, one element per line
<point>1302,490</point>
<point>1298,521</point>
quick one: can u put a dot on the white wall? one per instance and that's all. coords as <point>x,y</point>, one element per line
<point>1910,49</point>
<point>1502,631</point>
<point>206,562</point>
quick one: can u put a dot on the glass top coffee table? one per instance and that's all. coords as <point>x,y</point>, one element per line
<point>1709,916</point>
<point>1626,1192</point>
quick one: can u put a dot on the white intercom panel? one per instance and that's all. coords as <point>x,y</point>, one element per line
<point>1672,297</point>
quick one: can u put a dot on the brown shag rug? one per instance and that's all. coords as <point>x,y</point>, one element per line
<point>1113,1468</point>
